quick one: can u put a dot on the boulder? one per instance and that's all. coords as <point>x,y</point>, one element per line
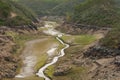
<point>97,52</point>
<point>117,61</point>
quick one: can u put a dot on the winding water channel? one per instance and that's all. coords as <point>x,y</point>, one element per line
<point>49,30</point>
<point>55,59</point>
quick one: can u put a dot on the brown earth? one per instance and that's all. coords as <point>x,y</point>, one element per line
<point>8,62</point>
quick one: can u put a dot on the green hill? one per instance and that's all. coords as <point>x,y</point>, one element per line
<point>97,12</point>
<point>12,13</point>
<point>102,13</point>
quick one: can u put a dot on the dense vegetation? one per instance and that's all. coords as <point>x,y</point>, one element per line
<point>97,12</point>
<point>51,7</point>
<point>103,13</point>
<point>12,13</point>
<point>112,40</point>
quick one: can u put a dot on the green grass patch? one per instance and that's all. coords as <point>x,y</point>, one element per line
<point>79,39</point>
<point>49,71</point>
<point>84,39</point>
<point>41,62</point>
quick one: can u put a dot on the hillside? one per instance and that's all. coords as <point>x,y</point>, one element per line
<point>97,12</point>
<point>12,13</point>
<point>51,7</point>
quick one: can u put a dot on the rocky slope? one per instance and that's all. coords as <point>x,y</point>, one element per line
<point>8,62</point>
<point>13,18</point>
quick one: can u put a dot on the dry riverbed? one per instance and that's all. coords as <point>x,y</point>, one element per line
<point>38,52</point>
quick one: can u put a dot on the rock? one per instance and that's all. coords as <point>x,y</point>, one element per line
<point>11,75</point>
<point>62,70</point>
<point>11,59</point>
<point>117,61</point>
<point>97,52</point>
